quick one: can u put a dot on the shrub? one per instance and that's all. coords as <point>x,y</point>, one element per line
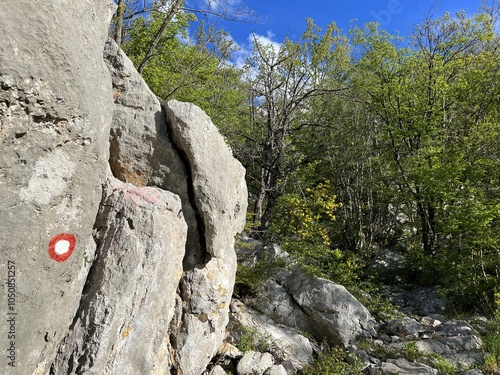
<point>333,362</point>
<point>250,278</point>
<point>253,340</point>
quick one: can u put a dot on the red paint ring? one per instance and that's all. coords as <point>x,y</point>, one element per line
<point>61,246</point>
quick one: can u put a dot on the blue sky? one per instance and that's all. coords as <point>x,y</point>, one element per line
<point>287,17</point>
<point>282,18</point>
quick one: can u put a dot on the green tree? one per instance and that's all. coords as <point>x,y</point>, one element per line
<point>166,12</point>
<point>435,104</point>
<point>417,96</point>
<point>282,83</point>
<point>197,72</point>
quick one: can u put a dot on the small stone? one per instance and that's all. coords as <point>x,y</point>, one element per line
<point>218,370</point>
<point>254,363</point>
<point>276,370</point>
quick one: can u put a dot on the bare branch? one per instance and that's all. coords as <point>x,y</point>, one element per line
<point>172,12</point>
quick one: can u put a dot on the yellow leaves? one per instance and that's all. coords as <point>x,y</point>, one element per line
<point>497,299</point>
<point>309,215</point>
<point>324,237</point>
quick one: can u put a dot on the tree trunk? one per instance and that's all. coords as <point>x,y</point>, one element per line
<point>120,13</point>
<point>259,204</point>
<point>426,212</point>
<point>272,199</point>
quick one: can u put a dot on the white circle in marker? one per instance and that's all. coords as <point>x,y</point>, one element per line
<point>62,246</point>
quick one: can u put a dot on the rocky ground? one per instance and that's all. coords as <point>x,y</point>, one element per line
<point>282,328</point>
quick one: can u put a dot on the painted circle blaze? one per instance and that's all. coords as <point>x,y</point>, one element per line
<point>61,246</point>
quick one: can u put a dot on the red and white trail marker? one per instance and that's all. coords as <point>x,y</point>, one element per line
<point>61,246</point>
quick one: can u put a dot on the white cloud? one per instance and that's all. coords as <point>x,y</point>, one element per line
<point>228,6</point>
<point>265,40</point>
<point>246,49</point>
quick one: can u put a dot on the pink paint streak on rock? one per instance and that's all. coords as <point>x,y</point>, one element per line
<point>145,197</point>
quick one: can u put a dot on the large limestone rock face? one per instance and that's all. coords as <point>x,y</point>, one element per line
<point>129,300</point>
<point>219,196</point>
<point>130,274</point>
<point>175,146</point>
<point>141,150</point>
<point>220,191</point>
<point>54,123</point>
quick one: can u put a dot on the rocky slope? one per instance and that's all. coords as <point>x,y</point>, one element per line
<point>118,211</point>
<point>282,327</point>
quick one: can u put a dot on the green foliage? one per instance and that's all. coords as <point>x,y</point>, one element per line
<point>417,96</point>
<point>467,282</point>
<point>333,362</point>
<point>491,347</point>
<point>252,340</point>
<point>303,224</point>
<point>429,135</point>
<point>309,214</point>
<point>250,277</point>
<point>411,352</point>
<point>197,73</point>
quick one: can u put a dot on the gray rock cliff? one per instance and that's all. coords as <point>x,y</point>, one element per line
<point>53,161</point>
<point>118,211</point>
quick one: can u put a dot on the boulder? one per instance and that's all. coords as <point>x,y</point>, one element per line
<point>461,351</point>
<point>218,179</point>
<point>450,345</point>
<point>404,327</point>
<point>54,141</point>
<point>315,305</point>
<point>130,293</point>
<point>218,370</point>
<point>387,265</point>
<point>455,328</point>
<point>250,251</point>
<point>276,370</point>
<point>422,300</point>
<point>473,372</point>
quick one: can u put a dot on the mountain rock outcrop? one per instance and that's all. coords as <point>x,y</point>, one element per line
<point>118,211</point>
<point>55,100</point>
<point>129,296</point>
